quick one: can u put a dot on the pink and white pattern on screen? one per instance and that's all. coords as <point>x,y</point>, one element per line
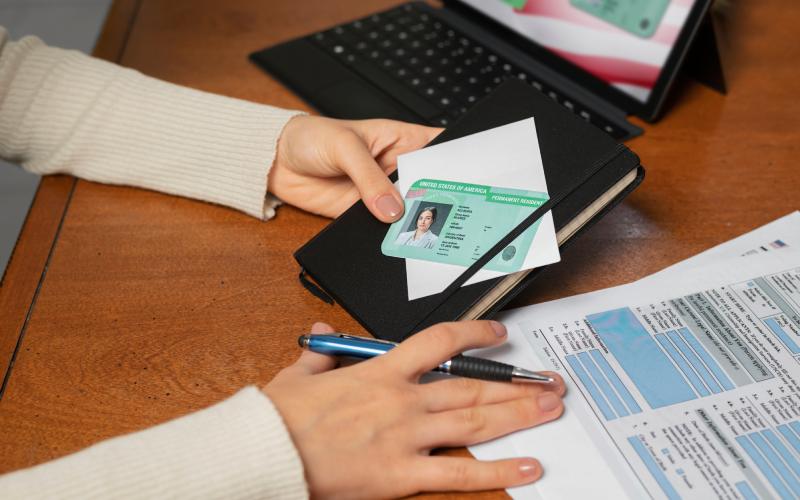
<point>622,59</point>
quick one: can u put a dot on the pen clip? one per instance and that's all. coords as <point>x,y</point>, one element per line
<point>355,337</point>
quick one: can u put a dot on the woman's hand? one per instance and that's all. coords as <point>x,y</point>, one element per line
<point>366,430</point>
<point>324,165</point>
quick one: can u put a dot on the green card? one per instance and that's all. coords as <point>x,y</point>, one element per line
<point>456,223</point>
<point>517,4</point>
<point>640,17</point>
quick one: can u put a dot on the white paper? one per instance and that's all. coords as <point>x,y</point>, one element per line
<point>582,452</point>
<point>506,156</point>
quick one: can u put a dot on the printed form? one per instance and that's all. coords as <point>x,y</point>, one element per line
<point>682,385</point>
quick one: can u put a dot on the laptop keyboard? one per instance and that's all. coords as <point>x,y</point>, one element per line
<point>431,67</point>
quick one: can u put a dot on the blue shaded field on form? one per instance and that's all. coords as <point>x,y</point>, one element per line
<point>683,365</point>
<point>764,465</point>
<point>594,392</point>
<point>654,469</point>
<point>785,338</point>
<point>654,375</point>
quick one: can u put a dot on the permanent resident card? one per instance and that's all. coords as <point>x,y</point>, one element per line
<point>456,223</point>
<point>640,17</point>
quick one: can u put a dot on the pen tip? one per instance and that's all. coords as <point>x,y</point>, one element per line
<point>523,375</point>
<point>302,341</point>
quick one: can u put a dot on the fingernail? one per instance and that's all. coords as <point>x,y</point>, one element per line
<point>498,328</point>
<point>549,401</point>
<point>528,467</point>
<point>388,206</point>
<point>318,327</point>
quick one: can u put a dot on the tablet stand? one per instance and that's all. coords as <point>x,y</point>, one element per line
<point>703,62</point>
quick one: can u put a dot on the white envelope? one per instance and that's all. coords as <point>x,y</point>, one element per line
<point>506,156</point>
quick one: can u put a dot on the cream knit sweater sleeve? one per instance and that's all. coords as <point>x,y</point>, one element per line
<point>236,449</point>
<point>64,112</point>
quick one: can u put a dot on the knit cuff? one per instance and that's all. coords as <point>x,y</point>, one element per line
<point>239,448</point>
<point>65,112</point>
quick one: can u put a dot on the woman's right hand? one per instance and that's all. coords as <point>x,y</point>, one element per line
<point>367,430</point>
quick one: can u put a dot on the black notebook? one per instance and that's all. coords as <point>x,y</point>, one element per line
<point>587,174</point>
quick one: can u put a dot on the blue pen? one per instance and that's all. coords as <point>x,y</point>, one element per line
<point>338,344</point>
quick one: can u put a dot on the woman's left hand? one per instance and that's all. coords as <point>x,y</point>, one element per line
<point>324,165</point>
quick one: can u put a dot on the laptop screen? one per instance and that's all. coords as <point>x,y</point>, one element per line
<point>625,43</point>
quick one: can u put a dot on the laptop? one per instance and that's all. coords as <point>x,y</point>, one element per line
<point>600,59</point>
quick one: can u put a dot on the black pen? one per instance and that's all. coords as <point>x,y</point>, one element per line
<point>338,344</point>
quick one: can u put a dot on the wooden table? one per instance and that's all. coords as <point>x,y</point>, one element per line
<point>122,308</point>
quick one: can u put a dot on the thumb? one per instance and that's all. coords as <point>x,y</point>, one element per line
<point>375,188</point>
<point>312,363</point>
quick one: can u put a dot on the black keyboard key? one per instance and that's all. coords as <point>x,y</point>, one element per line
<point>444,44</point>
<point>446,102</point>
<point>441,121</point>
<point>430,92</point>
<point>457,53</point>
<point>476,81</point>
<point>415,81</point>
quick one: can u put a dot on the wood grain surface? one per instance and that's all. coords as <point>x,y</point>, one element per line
<point>35,244</point>
<point>154,306</point>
